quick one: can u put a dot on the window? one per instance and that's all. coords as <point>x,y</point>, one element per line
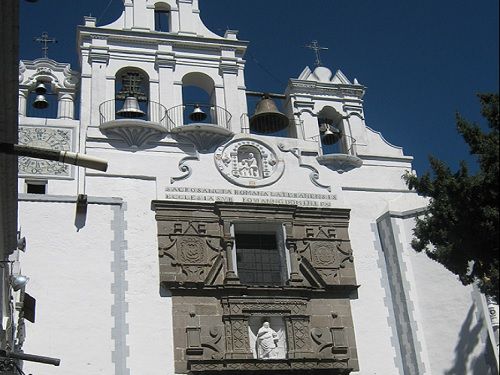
<point>36,187</point>
<point>260,254</point>
<point>162,20</point>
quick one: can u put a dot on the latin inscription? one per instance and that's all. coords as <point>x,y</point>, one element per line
<point>249,196</point>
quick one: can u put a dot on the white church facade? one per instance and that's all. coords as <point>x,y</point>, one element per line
<point>222,239</point>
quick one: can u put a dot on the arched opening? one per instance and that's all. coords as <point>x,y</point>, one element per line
<point>198,98</point>
<point>331,131</point>
<point>42,100</point>
<point>162,17</point>
<point>131,93</point>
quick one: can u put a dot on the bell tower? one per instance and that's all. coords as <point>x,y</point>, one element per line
<point>164,47</point>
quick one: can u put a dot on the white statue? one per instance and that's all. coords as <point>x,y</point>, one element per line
<point>248,167</point>
<point>267,342</point>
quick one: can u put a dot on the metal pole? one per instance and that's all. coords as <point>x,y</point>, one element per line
<point>30,357</point>
<point>65,157</point>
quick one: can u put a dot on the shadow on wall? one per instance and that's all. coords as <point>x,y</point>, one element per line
<point>469,337</point>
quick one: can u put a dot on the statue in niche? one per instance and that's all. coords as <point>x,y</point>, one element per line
<point>249,162</point>
<point>267,342</point>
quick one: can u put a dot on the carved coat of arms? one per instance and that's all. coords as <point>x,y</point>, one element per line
<point>249,163</point>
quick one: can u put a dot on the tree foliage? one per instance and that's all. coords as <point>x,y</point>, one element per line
<point>460,227</point>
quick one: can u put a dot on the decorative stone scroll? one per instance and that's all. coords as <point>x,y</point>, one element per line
<point>249,163</point>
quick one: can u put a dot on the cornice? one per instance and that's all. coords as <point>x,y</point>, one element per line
<point>334,89</point>
<point>157,38</point>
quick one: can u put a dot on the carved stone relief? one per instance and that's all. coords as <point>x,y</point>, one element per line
<point>249,163</point>
<point>224,326</point>
<point>189,254</point>
<point>45,137</point>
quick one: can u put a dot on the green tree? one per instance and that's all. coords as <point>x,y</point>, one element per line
<point>460,227</point>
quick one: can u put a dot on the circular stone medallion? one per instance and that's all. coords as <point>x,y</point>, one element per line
<point>249,163</point>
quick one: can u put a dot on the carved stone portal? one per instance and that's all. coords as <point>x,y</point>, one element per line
<point>224,326</point>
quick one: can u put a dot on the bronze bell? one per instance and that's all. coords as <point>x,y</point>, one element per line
<point>331,136</point>
<point>41,89</point>
<point>40,102</point>
<point>131,108</point>
<point>267,118</point>
<point>197,115</point>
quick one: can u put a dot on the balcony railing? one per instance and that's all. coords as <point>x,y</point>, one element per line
<point>153,112</point>
<point>182,115</point>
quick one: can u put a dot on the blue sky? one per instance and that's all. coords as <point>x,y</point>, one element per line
<point>422,61</point>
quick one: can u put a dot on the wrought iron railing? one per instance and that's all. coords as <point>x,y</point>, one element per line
<point>209,114</point>
<point>153,112</point>
<point>345,145</point>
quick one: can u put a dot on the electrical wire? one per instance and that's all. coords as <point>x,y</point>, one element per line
<point>105,10</point>
<point>269,73</point>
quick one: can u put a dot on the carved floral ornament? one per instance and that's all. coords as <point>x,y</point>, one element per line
<point>249,163</point>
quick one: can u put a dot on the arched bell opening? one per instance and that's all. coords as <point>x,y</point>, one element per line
<point>42,100</point>
<point>199,119</point>
<point>131,116</point>
<point>198,103</point>
<point>331,132</point>
<point>131,94</point>
<point>267,118</point>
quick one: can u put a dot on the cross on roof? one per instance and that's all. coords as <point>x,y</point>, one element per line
<point>45,40</point>
<point>317,48</point>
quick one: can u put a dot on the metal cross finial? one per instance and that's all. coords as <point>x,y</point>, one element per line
<point>45,40</point>
<point>317,48</point>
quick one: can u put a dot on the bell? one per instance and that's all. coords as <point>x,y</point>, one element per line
<point>40,89</point>
<point>331,135</point>
<point>197,115</point>
<point>131,108</point>
<point>40,102</point>
<point>267,118</point>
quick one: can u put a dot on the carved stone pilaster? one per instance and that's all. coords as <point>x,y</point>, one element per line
<point>295,277</point>
<point>237,342</point>
<point>230,277</point>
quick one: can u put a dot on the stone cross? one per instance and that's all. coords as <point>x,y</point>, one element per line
<point>317,48</point>
<point>45,40</point>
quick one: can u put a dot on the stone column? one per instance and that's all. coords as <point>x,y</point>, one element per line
<point>230,277</point>
<point>165,64</point>
<point>229,247</point>
<point>308,121</point>
<point>295,278</point>
<point>229,71</point>
<point>66,105</point>
<point>98,58</point>
<point>186,19</point>
<point>23,99</point>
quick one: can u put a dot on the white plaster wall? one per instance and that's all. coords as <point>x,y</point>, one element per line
<point>376,338</point>
<point>149,339</point>
<point>451,321</point>
<point>70,276</point>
